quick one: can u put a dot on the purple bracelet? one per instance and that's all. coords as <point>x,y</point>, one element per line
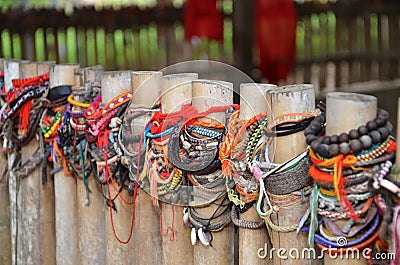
<point>326,243</point>
<point>76,114</point>
<point>330,225</point>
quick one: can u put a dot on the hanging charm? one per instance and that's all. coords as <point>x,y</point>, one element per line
<point>193,236</point>
<point>185,215</point>
<point>204,236</point>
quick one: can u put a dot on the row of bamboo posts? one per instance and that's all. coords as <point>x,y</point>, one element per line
<point>60,223</point>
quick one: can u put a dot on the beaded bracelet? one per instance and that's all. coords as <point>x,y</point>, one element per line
<point>12,97</point>
<point>91,113</point>
<point>187,163</point>
<point>75,126</point>
<point>170,186</point>
<point>379,179</point>
<point>356,140</point>
<point>116,102</point>
<point>36,93</point>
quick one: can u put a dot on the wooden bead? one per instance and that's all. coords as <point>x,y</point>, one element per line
<point>356,146</point>
<point>333,150</point>
<point>315,144</point>
<point>310,138</point>
<point>383,114</point>
<point>334,139</point>
<point>309,131</point>
<point>316,127</point>
<point>344,138</point>
<point>344,148</point>
<point>371,125</point>
<point>389,126</point>
<point>353,134</point>
<point>320,119</point>
<point>384,132</point>
<point>363,130</point>
<point>380,122</point>
<point>326,140</point>
<point>323,150</point>
<point>376,136</point>
<point>366,141</point>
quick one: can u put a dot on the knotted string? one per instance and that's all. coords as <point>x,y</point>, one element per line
<point>338,162</point>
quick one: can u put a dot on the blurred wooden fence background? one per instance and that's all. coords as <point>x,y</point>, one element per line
<point>346,45</point>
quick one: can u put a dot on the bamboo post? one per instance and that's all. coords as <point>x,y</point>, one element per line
<point>346,111</point>
<point>65,187</point>
<point>290,99</point>
<point>253,101</point>
<point>5,232</point>
<point>11,71</point>
<point>28,197</point>
<point>177,90</point>
<point>46,202</point>
<point>91,221</point>
<point>146,88</point>
<point>114,83</point>
<point>206,94</point>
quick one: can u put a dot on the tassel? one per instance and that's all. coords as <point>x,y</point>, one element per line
<point>339,185</point>
<point>24,115</point>
<point>313,215</point>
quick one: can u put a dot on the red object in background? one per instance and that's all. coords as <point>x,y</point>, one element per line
<point>276,22</point>
<point>202,18</point>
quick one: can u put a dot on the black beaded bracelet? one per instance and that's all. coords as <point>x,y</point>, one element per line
<point>355,140</point>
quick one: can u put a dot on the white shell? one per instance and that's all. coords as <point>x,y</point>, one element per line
<point>205,237</point>
<point>193,236</point>
<point>185,216</point>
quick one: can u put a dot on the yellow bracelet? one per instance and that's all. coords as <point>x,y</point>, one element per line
<point>76,103</point>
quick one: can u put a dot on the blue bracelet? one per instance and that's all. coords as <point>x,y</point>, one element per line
<point>204,131</point>
<point>161,134</point>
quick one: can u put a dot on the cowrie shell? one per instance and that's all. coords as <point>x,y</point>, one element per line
<point>185,216</point>
<point>193,236</point>
<point>204,237</point>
